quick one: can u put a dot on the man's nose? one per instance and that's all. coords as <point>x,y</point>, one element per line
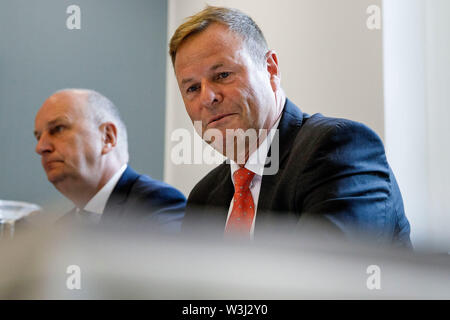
<point>209,95</point>
<point>44,144</point>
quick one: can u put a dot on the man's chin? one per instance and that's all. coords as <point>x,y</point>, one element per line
<point>217,144</point>
<point>55,178</point>
<point>230,150</point>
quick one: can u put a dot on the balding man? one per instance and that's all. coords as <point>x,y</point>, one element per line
<point>83,146</point>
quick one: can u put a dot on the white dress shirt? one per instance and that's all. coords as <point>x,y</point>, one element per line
<point>255,164</point>
<point>97,204</point>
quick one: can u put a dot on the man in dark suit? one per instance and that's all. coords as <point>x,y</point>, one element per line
<point>332,173</point>
<point>83,146</point>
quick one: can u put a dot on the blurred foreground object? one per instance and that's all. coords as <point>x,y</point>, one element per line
<point>73,264</point>
<point>13,211</point>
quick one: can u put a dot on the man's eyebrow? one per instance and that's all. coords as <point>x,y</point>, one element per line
<point>214,67</point>
<point>186,81</point>
<point>52,123</point>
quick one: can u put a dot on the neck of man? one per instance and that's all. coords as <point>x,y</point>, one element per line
<point>81,193</point>
<point>272,118</point>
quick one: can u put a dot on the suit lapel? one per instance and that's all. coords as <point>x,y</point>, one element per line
<point>290,123</point>
<point>221,196</point>
<point>67,219</point>
<point>117,199</point>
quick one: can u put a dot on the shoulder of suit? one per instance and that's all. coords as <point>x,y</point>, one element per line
<point>324,137</point>
<point>320,126</point>
<point>210,181</point>
<point>146,185</point>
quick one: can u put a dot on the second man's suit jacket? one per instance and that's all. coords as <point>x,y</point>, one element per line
<point>138,201</point>
<point>332,173</point>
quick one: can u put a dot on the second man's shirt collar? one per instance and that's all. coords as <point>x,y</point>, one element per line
<point>98,202</point>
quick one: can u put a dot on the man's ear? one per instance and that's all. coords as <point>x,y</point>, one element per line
<point>274,70</point>
<point>109,136</point>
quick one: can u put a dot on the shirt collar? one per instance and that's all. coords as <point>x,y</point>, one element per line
<point>257,160</point>
<point>98,202</point>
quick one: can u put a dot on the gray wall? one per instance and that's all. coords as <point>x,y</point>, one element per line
<point>119,51</point>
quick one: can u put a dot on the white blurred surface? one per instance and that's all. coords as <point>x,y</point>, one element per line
<point>15,210</point>
<point>417,99</point>
<point>145,267</point>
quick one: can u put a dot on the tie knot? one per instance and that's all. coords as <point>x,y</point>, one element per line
<point>242,178</point>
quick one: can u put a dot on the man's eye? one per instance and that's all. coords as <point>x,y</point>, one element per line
<point>192,88</point>
<point>223,75</point>
<point>56,129</point>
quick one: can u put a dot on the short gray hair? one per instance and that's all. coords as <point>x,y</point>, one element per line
<point>104,110</point>
<point>235,20</point>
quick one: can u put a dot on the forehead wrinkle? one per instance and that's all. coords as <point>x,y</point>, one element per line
<point>216,46</point>
<point>190,53</point>
<point>66,105</point>
<point>206,62</point>
<point>213,68</point>
<point>71,103</point>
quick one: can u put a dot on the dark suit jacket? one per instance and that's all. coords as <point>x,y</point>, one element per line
<point>333,173</point>
<point>139,201</point>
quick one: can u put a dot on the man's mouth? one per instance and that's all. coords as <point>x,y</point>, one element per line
<point>49,164</point>
<point>219,117</point>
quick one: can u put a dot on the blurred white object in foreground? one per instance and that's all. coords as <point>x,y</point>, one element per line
<point>12,211</point>
<point>50,265</point>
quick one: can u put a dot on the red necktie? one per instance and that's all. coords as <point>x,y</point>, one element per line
<point>243,212</point>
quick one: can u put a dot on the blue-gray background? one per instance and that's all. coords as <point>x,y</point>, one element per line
<point>119,51</point>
